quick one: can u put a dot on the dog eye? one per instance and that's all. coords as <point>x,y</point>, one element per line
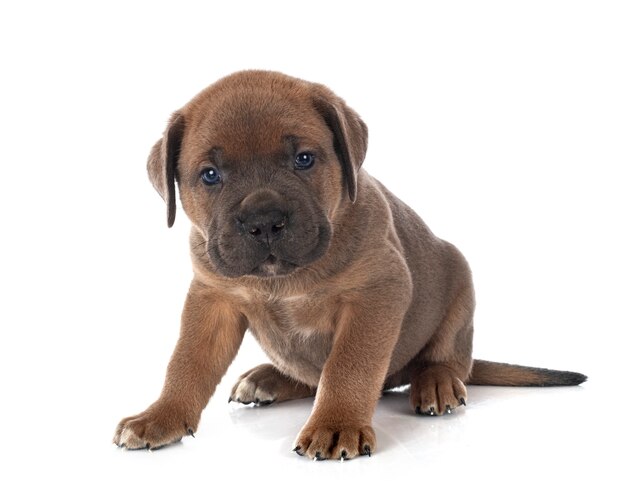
<point>210,176</point>
<point>304,160</point>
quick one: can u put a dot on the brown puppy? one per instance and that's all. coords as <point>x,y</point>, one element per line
<point>342,284</point>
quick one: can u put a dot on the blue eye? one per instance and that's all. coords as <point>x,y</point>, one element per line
<point>210,176</point>
<point>304,160</point>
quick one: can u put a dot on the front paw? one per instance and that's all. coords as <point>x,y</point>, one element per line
<point>320,441</point>
<point>159,425</point>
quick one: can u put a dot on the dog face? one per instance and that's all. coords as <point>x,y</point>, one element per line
<point>263,162</point>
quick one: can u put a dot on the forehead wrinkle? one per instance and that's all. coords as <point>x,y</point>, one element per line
<point>243,139</point>
<point>247,123</point>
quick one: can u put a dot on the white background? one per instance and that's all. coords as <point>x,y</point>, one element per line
<point>502,123</point>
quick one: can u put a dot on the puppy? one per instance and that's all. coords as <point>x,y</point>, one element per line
<point>343,285</point>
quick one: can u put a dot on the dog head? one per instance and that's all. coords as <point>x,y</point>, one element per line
<point>263,163</point>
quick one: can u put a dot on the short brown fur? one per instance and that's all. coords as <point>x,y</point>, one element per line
<point>348,292</point>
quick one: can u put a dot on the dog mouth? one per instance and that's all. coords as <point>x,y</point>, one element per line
<point>273,267</point>
<point>234,254</point>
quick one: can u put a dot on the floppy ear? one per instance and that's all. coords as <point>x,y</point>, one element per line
<point>349,131</point>
<point>162,163</point>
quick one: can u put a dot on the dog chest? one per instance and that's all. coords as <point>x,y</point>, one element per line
<point>295,332</point>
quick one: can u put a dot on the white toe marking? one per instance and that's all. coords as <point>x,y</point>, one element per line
<point>245,391</point>
<point>264,395</point>
<point>126,436</point>
<point>248,391</point>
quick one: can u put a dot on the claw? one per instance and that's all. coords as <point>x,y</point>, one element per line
<point>344,455</point>
<point>148,447</point>
<point>297,450</point>
<point>462,401</point>
<point>318,457</point>
<point>431,411</point>
<point>230,399</point>
<point>190,432</point>
<point>448,409</point>
<point>367,451</point>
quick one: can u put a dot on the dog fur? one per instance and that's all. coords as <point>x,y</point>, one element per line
<point>343,285</point>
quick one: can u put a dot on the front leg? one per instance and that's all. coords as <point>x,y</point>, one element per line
<point>211,334</point>
<point>340,426</point>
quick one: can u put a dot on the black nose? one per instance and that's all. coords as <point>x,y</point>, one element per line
<point>265,225</point>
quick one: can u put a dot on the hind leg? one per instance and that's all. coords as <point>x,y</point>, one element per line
<point>438,373</point>
<point>264,385</point>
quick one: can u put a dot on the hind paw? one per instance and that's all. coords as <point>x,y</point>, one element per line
<point>264,385</point>
<point>437,390</point>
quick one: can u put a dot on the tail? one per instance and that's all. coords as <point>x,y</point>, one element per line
<point>489,373</point>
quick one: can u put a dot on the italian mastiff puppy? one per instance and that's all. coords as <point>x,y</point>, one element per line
<point>342,284</point>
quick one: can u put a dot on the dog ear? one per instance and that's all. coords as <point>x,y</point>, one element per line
<point>349,131</point>
<point>162,163</point>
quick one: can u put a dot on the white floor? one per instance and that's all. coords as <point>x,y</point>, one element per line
<point>506,440</point>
